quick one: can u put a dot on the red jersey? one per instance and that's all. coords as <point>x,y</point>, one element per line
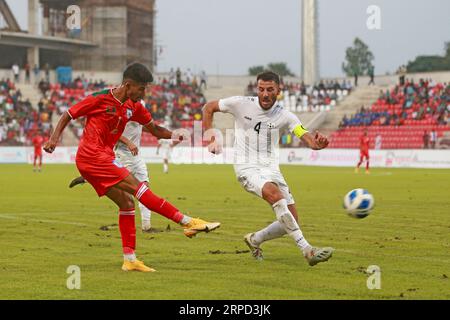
<point>106,118</point>
<point>38,141</point>
<point>364,142</point>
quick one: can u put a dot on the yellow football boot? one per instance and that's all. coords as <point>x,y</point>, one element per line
<point>199,225</point>
<point>136,265</point>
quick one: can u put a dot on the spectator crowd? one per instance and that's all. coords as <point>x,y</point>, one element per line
<point>298,97</point>
<point>425,102</point>
<point>19,121</point>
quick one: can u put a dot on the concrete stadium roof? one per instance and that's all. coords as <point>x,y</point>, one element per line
<point>46,42</point>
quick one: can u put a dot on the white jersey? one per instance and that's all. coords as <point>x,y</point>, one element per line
<point>165,143</point>
<point>133,132</point>
<point>165,146</point>
<point>257,131</point>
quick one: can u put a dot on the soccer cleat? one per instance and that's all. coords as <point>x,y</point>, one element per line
<point>367,171</point>
<point>136,265</point>
<point>356,170</point>
<point>317,255</point>
<point>256,250</point>
<point>199,225</point>
<point>77,181</point>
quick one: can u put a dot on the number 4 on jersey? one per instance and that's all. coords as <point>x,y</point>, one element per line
<point>258,127</point>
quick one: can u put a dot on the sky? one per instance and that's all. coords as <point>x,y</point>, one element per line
<point>228,36</point>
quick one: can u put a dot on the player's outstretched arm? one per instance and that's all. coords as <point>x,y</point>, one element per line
<point>130,145</point>
<point>316,142</point>
<point>50,145</point>
<point>157,131</point>
<point>208,113</point>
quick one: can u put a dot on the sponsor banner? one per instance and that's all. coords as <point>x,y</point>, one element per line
<point>13,155</point>
<point>60,156</point>
<point>199,155</point>
<point>378,158</point>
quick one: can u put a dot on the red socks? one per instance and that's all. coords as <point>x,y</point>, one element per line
<point>127,230</point>
<point>156,204</point>
<point>151,201</point>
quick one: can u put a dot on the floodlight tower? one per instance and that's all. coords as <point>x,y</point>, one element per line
<point>310,48</point>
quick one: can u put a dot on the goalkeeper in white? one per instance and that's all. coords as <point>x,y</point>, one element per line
<point>257,124</point>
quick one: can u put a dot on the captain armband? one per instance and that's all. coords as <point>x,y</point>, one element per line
<point>299,131</point>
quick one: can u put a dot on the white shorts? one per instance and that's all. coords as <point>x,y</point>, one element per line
<point>254,179</point>
<point>165,153</point>
<point>134,164</point>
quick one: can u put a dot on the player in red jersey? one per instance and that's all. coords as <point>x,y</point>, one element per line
<point>364,142</point>
<point>38,141</point>
<point>107,113</point>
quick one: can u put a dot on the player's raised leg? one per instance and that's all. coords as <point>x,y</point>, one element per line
<point>154,203</point>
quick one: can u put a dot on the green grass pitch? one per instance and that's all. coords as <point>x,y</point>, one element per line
<point>46,227</point>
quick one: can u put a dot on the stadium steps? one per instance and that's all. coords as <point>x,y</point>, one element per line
<point>30,92</point>
<point>362,96</point>
<point>223,121</point>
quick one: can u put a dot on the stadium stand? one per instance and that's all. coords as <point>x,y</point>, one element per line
<point>19,121</point>
<point>174,105</point>
<point>298,97</point>
<point>171,104</point>
<point>403,117</point>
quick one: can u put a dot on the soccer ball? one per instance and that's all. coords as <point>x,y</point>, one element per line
<point>358,203</point>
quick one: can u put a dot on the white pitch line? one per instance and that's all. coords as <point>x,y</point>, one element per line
<point>14,217</point>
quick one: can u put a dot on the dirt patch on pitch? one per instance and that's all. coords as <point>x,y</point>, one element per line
<point>228,252</point>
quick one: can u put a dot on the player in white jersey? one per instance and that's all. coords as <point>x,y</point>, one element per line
<point>257,123</point>
<point>127,152</point>
<point>165,148</point>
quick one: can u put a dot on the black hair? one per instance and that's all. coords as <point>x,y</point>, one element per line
<point>268,76</point>
<point>138,72</point>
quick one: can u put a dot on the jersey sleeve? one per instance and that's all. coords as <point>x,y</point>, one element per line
<point>83,108</point>
<point>230,105</point>
<point>295,125</point>
<point>141,115</point>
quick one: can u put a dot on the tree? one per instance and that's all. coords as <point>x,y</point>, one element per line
<point>253,71</point>
<point>280,68</point>
<point>431,63</point>
<point>358,59</point>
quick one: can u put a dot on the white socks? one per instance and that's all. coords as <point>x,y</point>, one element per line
<point>130,257</point>
<point>186,219</point>
<point>166,168</point>
<point>289,224</point>
<point>272,231</point>
<point>145,215</point>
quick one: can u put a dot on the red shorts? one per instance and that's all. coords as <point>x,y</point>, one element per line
<point>102,175</point>
<point>364,154</point>
<point>37,153</point>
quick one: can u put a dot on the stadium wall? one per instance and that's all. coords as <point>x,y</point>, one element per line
<point>224,81</point>
<point>438,159</point>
